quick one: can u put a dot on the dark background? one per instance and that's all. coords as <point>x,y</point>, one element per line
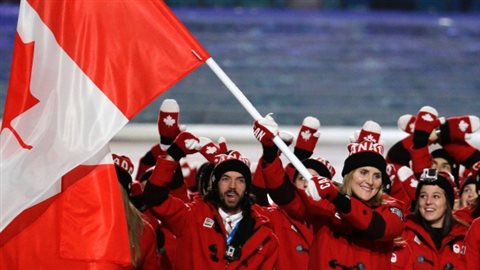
<point>342,61</point>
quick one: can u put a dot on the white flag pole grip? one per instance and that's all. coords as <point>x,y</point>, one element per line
<point>256,115</point>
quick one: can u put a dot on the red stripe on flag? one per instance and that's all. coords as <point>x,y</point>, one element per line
<point>81,227</point>
<point>132,50</point>
<point>23,220</point>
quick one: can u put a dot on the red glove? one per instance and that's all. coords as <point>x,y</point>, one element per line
<point>208,149</point>
<point>168,127</point>
<point>307,137</point>
<point>265,129</point>
<point>370,131</point>
<point>184,144</point>
<point>426,119</point>
<point>426,122</point>
<point>458,128</point>
<point>463,153</point>
<point>322,188</point>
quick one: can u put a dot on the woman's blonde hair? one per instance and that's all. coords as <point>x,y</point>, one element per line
<point>346,188</point>
<point>135,225</point>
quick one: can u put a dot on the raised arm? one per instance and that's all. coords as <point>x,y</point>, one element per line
<point>170,210</point>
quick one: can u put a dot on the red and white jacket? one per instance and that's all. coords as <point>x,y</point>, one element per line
<point>294,236</point>
<point>472,242</point>
<point>201,235</point>
<point>465,214</point>
<point>423,254</point>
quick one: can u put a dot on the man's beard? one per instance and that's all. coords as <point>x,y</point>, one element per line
<point>229,207</point>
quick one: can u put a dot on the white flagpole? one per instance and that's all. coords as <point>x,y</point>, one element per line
<point>256,115</point>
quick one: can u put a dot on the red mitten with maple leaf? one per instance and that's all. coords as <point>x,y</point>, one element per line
<point>265,129</point>
<point>370,132</point>
<point>458,128</point>
<point>307,138</point>
<point>168,126</point>
<point>208,149</point>
<point>426,122</point>
<point>184,144</point>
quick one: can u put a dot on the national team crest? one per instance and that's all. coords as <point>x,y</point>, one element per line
<point>208,222</point>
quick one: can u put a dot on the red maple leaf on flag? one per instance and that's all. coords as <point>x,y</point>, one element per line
<point>19,97</point>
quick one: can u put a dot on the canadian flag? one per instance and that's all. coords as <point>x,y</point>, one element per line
<point>80,71</point>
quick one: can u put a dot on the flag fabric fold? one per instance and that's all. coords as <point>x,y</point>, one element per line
<point>80,71</point>
<point>82,227</point>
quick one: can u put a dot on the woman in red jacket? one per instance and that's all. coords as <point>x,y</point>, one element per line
<point>141,234</point>
<point>472,242</point>
<point>294,235</point>
<point>472,210</point>
<point>353,228</point>
<point>435,239</point>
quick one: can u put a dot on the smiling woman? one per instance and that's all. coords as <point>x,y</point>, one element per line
<point>433,236</point>
<point>364,183</point>
<point>364,170</point>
